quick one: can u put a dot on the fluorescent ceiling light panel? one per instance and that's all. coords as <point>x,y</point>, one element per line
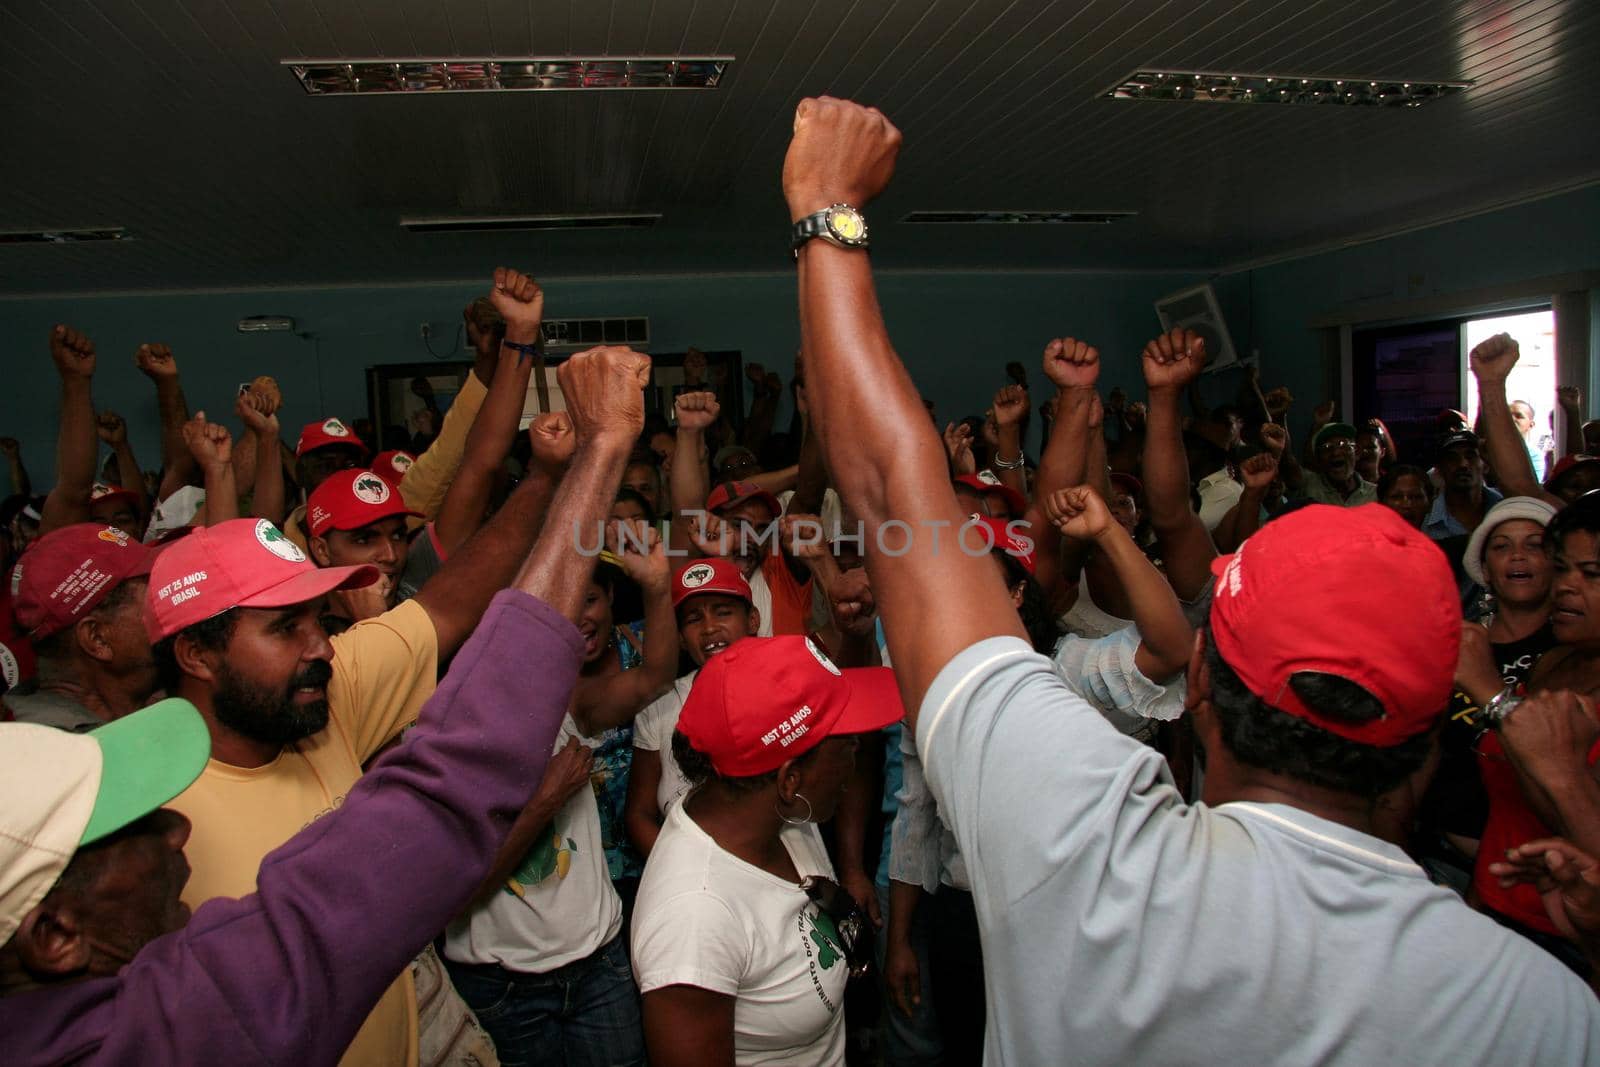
<point>489,223</point>
<point>1080,218</point>
<point>63,237</point>
<point>335,77</point>
<point>1210,87</point>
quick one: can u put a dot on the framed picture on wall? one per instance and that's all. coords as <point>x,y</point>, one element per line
<point>405,399</point>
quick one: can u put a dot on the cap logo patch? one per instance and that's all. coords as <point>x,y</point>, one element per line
<point>9,670</point>
<point>113,536</point>
<point>987,477</point>
<point>822,658</point>
<point>272,539</point>
<point>370,489</point>
<point>789,730</point>
<point>401,462</point>
<point>335,428</point>
<point>696,576</point>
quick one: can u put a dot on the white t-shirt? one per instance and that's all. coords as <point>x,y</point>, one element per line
<point>1284,938</point>
<point>652,732</point>
<point>761,597</point>
<point>557,907</point>
<point>705,918</point>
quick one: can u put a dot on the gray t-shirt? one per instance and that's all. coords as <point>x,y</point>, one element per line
<point>1122,926</point>
<point>422,563</point>
<point>44,708</point>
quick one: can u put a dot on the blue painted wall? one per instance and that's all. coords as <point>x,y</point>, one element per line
<point>955,331</point>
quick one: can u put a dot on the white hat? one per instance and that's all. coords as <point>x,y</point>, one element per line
<point>175,512</point>
<point>1512,507</point>
<point>61,790</point>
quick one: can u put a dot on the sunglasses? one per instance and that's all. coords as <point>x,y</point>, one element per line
<point>851,933</point>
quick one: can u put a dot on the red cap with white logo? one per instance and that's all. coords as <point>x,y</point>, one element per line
<point>327,432</point>
<point>68,572</point>
<point>714,574</point>
<point>351,499</point>
<point>1316,591</point>
<point>1002,535</point>
<point>242,563</point>
<point>392,465</point>
<point>767,700</point>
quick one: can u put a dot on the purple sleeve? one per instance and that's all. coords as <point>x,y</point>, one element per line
<point>288,974</point>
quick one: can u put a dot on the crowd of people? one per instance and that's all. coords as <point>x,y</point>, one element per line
<point>686,740</point>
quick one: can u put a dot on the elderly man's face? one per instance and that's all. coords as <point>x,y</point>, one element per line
<point>1338,456</point>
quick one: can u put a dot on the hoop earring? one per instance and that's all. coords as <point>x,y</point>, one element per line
<point>795,822</point>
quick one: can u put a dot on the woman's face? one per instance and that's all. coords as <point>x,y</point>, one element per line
<point>1516,564</point>
<point>1575,589</point>
<point>1409,497</point>
<point>594,622</point>
<point>825,775</point>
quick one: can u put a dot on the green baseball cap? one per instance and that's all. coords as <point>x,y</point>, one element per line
<point>146,759</point>
<point>1333,429</point>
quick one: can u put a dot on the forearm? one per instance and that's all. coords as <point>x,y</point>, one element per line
<point>758,424</point>
<point>690,482</point>
<point>425,483</point>
<point>1166,469</point>
<point>1062,464</point>
<point>1166,638</point>
<point>1575,813</point>
<point>128,474</point>
<point>174,411</point>
<point>269,497</point>
<point>555,571</point>
<point>20,482</point>
<point>1242,520</point>
<point>1503,445</point>
<point>222,497</point>
<point>244,458</point>
<point>640,818</point>
<point>903,901</point>
<point>811,477</point>
<point>855,810</point>
<point>529,827</point>
<point>1572,432</point>
<point>779,481</point>
<point>492,434</point>
<point>76,447</point>
<point>1009,448</point>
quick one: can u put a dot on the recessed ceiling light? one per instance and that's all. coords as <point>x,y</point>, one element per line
<point>1210,87</point>
<point>528,222</point>
<point>1089,218</point>
<point>332,77</point>
<point>63,237</point>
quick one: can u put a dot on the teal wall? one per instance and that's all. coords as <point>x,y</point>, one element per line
<point>956,332</point>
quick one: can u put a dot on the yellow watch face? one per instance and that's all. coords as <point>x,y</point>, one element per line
<point>846,224</point>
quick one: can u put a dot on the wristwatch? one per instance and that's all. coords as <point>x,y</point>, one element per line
<point>838,224</point>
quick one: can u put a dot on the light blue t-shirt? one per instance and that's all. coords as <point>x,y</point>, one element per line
<point>1123,926</point>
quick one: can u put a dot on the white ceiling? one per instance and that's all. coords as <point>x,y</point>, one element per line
<point>177,121</point>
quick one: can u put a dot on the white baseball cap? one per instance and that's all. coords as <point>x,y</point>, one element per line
<point>1512,507</point>
<point>60,791</point>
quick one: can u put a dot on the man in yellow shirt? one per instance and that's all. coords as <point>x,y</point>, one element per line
<point>233,615</point>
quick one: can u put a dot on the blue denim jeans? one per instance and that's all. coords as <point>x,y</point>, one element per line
<point>583,1014</point>
<point>912,1042</point>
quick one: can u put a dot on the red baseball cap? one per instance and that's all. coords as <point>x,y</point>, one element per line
<point>68,572</point>
<point>1565,464</point>
<point>392,465</point>
<point>767,700</point>
<point>728,494</point>
<point>351,499</point>
<point>242,563</point>
<point>1004,535</point>
<point>985,482</point>
<point>327,432</point>
<point>1127,483</point>
<point>1316,591</point>
<point>714,574</point>
<point>101,491</point>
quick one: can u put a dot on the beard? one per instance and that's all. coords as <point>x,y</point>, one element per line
<point>256,712</point>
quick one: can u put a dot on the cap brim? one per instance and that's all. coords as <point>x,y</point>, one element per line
<point>874,702</point>
<point>146,759</point>
<point>311,584</point>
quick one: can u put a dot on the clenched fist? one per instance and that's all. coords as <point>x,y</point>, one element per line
<point>72,353</point>
<point>550,436</point>
<point>1079,513</point>
<point>209,442</point>
<point>604,390</point>
<point>1071,364</point>
<point>1258,471</point>
<point>1174,359</point>
<point>520,302</point>
<point>697,411</point>
<point>1010,405</point>
<point>156,361</point>
<point>111,428</point>
<point>1493,359</point>
<point>841,152</point>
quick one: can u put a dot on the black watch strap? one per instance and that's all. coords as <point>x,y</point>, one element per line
<point>813,225</point>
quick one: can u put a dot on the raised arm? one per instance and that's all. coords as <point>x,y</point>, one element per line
<point>603,704</point>
<point>76,441</point>
<point>1073,366</point>
<point>886,460</point>
<point>11,448</point>
<point>1165,636</point>
<point>212,448</point>
<point>156,362</point>
<point>1570,399</point>
<point>268,497</point>
<point>1244,518</point>
<point>113,430</point>
<point>494,431</point>
<point>1491,361</point>
<point>1171,362</point>
<point>1010,407</point>
<point>696,413</point>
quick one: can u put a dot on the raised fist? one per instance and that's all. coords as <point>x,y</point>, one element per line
<point>1079,512</point>
<point>637,544</point>
<point>1324,412</point>
<point>520,302</point>
<point>1010,405</point>
<point>1570,397</point>
<point>1493,359</point>
<point>156,361</point>
<point>1279,401</point>
<point>209,442</point>
<point>1071,364</point>
<point>697,411</point>
<point>841,152</point>
<point>1258,471</point>
<point>258,414</point>
<point>855,612</point>
<point>72,353</point>
<point>958,446</point>
<point>709,534</point>
<point>802,536</point>
<point>1274,439</point>
<point>604,390</point>
<point>111,428</point>
<point>550,436</point>
<point>1174,359</point>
